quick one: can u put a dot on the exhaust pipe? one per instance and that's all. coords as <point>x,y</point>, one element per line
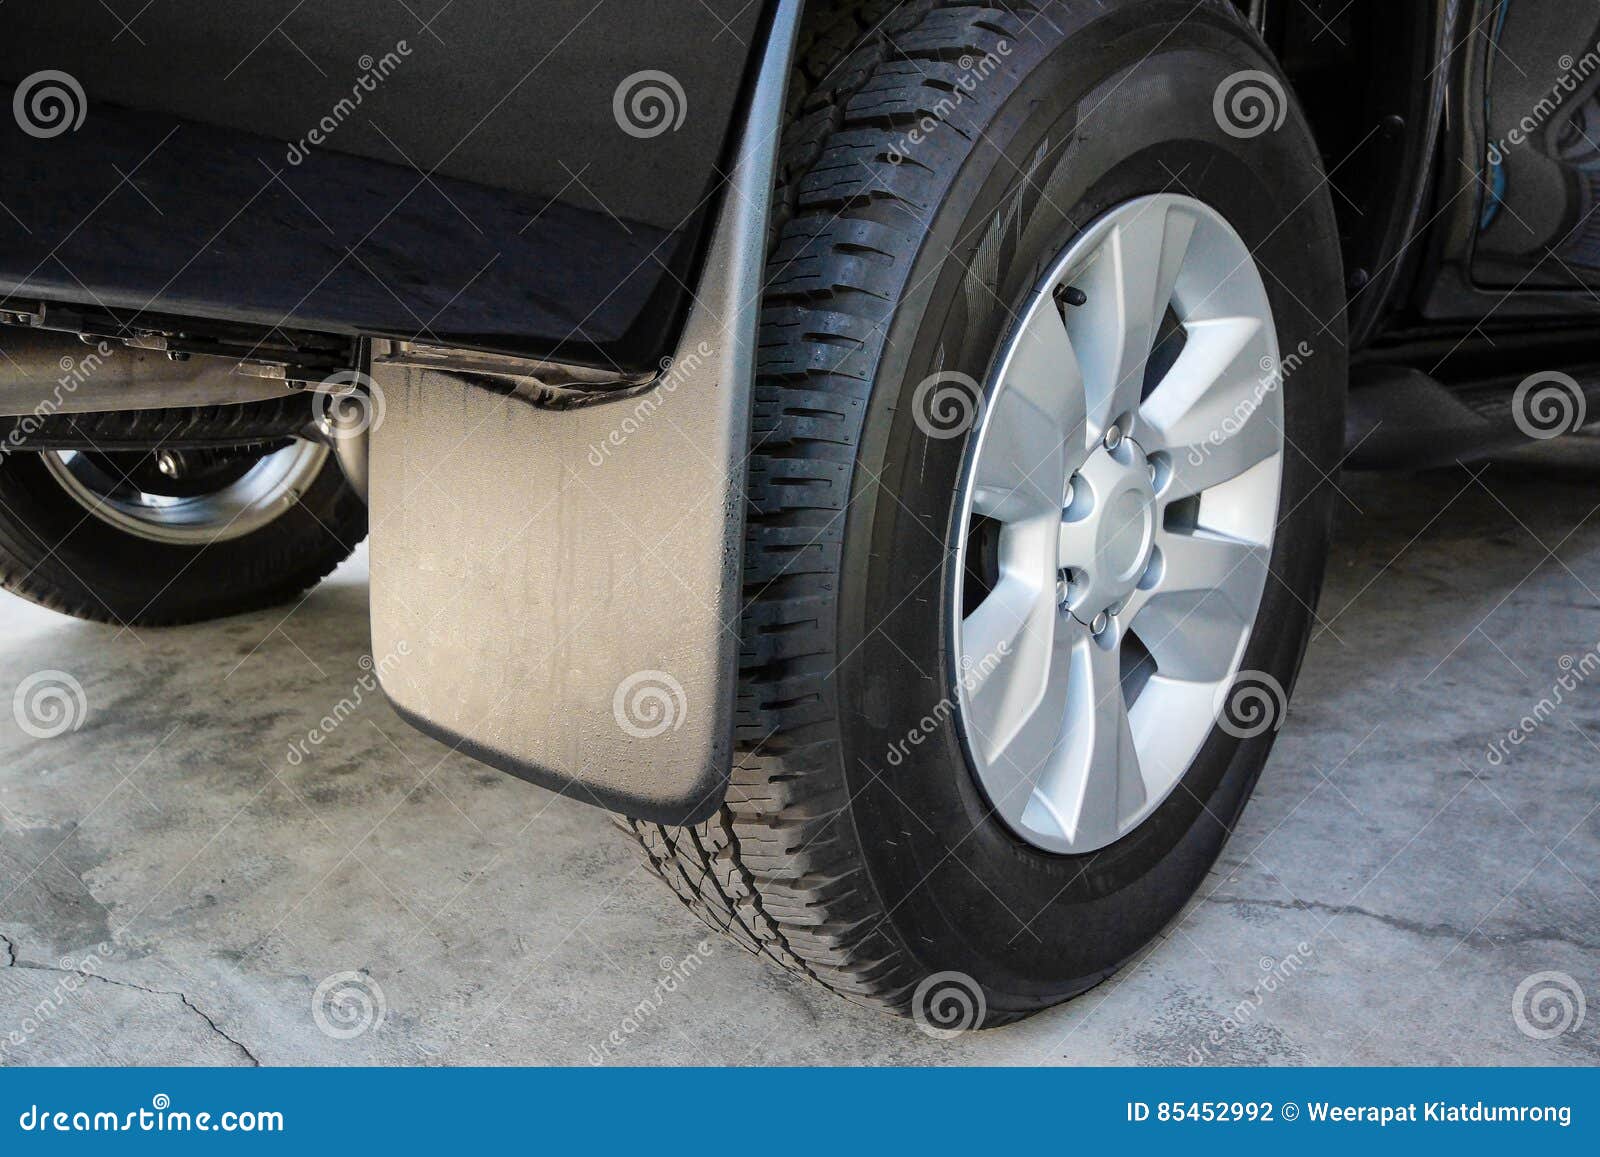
<point>47,372</point>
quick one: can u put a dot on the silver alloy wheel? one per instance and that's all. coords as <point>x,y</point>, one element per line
<point>239,508</point>
<point>1129,514</point>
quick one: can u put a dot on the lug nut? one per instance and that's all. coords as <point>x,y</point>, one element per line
<point>1113,436</point>
<point>1100,623</point>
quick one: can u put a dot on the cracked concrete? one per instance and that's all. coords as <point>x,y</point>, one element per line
<point>372,898</point>
<point>1416,928</point>
<point>85,976</point>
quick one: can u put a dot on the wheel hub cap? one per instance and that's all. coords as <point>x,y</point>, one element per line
<point>1107,530</point>
<point>1124,479</point>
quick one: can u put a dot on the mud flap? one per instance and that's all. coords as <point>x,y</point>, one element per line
<point>557,592</point>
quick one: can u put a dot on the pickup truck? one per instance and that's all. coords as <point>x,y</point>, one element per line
<point>882,451</point>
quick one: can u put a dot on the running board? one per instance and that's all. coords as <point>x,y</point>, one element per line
<point>1400,418</point>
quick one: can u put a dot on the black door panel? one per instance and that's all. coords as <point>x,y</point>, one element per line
<point>1539,227</point>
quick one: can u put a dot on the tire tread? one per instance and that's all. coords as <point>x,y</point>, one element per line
<point>779,867</point>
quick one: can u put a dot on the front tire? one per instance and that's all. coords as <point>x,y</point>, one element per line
<point>933,175</point>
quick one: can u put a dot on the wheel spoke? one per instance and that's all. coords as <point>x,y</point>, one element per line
<point>1093,779</point>
<point>1170,720</point>
<point>1196,616</point>
<point>1129,286</point>
<point>1044,369</point>
<point>1219,411</point>
<point>1033,434</point>
<point>1026,737</point>
<point>1007,643</point>
<point>1203,561</point>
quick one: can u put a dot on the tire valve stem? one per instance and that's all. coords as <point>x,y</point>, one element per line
<point>1068,295</point>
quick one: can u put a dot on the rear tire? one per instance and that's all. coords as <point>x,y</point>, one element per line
<point>55,550</point>
<point>939,158</point>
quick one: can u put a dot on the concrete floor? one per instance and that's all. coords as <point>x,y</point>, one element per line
<point>502,924</point>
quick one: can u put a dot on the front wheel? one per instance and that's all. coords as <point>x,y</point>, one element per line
<point>1052,379</point>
